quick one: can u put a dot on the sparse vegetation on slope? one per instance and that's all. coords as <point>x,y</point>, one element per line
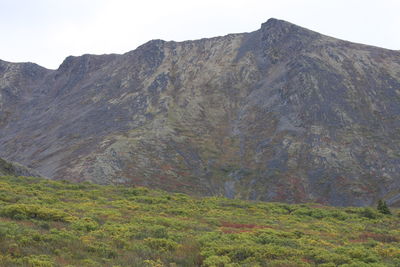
<point>13,168</point>
<point>53,223</point>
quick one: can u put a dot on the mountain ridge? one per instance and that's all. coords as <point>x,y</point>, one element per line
<point>282,113</point>
<point>271,20</point>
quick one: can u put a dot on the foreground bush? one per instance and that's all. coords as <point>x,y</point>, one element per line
<point>26,211</point>
<point>49,223</point>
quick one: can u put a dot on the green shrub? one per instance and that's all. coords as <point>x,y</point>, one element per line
<point>155,231</point>
<point>26,211</point>
<point>217,261</point>
<point>161,244</point>
<point>39,261</point>
<point>148,199</point>
<point>329,257</point>
<point>369,213</point>
<point>383,208</point>
<point>359,253</point>
<point>137,191</point>
<point>266,238</point>
<point>85,224</point>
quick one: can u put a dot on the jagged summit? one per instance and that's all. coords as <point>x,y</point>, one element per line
<point>282,113</point>
<point>276,25</point>
<point>275,30</point>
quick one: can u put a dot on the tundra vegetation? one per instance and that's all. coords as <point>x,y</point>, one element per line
<point>58,223</point>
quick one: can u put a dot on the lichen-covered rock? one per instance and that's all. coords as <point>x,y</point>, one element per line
<point>279,114</point>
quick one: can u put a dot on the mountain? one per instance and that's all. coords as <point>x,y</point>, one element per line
<point>15,169</point>
<point>279,114</point>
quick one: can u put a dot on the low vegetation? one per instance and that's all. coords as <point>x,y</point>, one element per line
<point>56,223</point>
<point>6,168</point>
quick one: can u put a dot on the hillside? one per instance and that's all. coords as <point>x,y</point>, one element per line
<point>279,114</point>
<point>58,223</point>
<point>12,168</point>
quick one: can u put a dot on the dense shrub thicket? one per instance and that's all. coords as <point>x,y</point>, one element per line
<point>50,223</point>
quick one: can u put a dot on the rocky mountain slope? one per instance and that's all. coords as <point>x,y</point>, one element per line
<point>15,169</point>
<point>279,114</point>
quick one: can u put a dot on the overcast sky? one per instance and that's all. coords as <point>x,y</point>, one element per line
<point>47,31</point>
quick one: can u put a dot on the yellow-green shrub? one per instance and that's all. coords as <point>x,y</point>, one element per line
<point>26,211</point>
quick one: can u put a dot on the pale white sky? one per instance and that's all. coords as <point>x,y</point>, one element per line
<point>47,31</point>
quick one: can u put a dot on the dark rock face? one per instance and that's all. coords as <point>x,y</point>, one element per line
<point>279,114</point>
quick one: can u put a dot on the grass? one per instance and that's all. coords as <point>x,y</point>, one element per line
<point>57,223</point>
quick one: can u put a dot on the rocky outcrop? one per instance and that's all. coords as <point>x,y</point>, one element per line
<point>279,114</point>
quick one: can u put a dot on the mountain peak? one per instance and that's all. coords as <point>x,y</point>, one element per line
<point>273,22</point>
<point>277,29</point>
<point>279,40</point>
<point>277,25</point>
